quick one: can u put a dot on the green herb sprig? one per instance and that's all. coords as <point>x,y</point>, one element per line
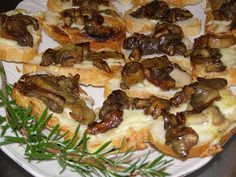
<point>105,161</point>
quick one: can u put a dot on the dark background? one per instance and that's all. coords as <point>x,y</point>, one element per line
<point>222,165</point>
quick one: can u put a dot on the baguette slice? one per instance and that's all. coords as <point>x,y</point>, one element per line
<point>228,60</point>
<point>190,27</point>
<point>213,26</point>
<point>177,3</point>
<point>211,136</point>
<point>66,122</point>
<point>10,50</point>
<point>89,74</point>
<point>54,28</point>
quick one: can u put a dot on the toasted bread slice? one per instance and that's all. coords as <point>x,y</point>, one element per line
<point>214,26</point>
<point>20,93</point>
<point>226,61</point>
<point>211,136</point>
<point>190,27</point>
<point>10,49</point>
<point>53,26</point>
<point>89,73</point>
<point>177,3</point>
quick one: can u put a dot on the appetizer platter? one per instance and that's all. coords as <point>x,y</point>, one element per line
<point>128,87</point>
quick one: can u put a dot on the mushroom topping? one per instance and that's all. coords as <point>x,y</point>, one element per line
<point>146,44</point>
<point>106,55</point>
<point>15,27</point>
<point>156,106</point>
<point>81,113</point>
<point>101,64</point>
<point>159,10</point>
<point>153,106</point>
<point>68,55</point>
<point>117,100</point>
<point>182,96</point>
<point>201,94</point>
<point>206,92</point>
<point>93,25</point>
<point>57,93</point>
<point>114,120</point>
<point>168,28</point>
<point>90,3</point>
<point>157,62</point>
<point>160,78</point>
<point>206,56</point>
<point>182,139</point>
<point>167,38</point>
<point>111,113</point>
<point>157,72</point>
<point>221,41</point>
<point>173,121</point>
<point>226,11</point>
<point>132,73</point>
<point>154,10</point>
<point>177,14</point>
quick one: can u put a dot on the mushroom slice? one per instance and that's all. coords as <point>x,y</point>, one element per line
<point>106,55</point>
<point>157,62</point>
<point>168,28</point>
<point>53,101</point>
<point>221,41</point>
<point>113,121</point>
<point>182,139</point>
<point>206,92</point>
<point>101,64</point>
<point>117,100</point>
<point>182,96</point>
<point>156,106</point>
<point>177,14</point>
<point>173,121</point>
<point>81,112</point>
<point>160,78</point>
<point>132,73</point>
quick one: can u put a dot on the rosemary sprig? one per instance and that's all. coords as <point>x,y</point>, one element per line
<point>73,153</point>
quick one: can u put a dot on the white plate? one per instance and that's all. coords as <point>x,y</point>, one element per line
<point>51,168</point>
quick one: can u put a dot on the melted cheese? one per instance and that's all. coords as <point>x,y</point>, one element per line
<point>229,56</point>
<point>227,105</point>
<point>135,119</point>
